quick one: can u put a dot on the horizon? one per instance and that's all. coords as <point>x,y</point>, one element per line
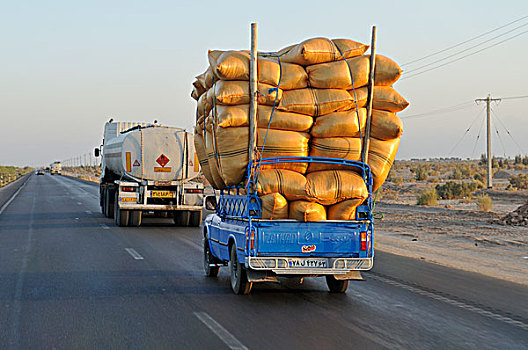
<point>69,67</point>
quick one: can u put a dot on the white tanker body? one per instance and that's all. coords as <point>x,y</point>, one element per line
<point>149,168</point>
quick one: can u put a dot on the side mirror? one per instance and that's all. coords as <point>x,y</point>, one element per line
<point>210,202</point>
<point>97,152</point>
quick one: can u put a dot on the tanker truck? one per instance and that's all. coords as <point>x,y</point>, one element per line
<point>149,168</point>
<point>56,168</point>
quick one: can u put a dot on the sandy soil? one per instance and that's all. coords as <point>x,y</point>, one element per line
<point>457,235</point>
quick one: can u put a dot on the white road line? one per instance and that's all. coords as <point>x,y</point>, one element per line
<point>12,198</point>
<point>134,254</point>
<point>79,203</point>
<point>87,211</point>
<point>221,332</point>
<point>456,303</point>
<point>105,227</point>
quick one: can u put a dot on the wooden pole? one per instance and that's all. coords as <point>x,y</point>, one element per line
<point>253,94</point>
<point>366,138</point>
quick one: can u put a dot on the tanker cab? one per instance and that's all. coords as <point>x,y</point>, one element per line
<point>128,193</point>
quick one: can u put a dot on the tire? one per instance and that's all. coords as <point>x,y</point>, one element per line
<point>239,282</point>
<point>102,196</point>
<point>336,286</point>
<point>135,218</point>
<point>109,202</point>
<point>120,216</point>
<point>195,218</point>
<point>209,259</point>
<point>182,217</point>
<point>101,199</point>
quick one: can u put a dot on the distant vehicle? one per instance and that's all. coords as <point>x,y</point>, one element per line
<point>40,172</point>
<point>149,168</point>
<point>56,168</point>
<point>48,169</point>
<point>260,250</point>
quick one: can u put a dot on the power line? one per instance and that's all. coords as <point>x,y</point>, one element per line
<point>459,58</point>
<point>507,131</point>
<point>463,42</point>
<point>514,97</point>
<point>478,137</point>
<point>465,133</point>
<point>457,107</point>
<point>466,49</point>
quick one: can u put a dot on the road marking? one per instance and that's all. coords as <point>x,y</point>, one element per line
<point>79,203</point>
<point>220,331</point>
<point>14,332</point>
<point>105,227</point>
<point>453,302</point>
<point>87,211</point>
<point>134,254</point>
<point>12,198</point>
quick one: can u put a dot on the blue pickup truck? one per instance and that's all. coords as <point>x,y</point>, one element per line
<point>258,250</point>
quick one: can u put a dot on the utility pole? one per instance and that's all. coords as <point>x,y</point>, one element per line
<point>488,101</point>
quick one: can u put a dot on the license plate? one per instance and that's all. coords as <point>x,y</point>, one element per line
<point>162,194</point>
<point>307,263</point>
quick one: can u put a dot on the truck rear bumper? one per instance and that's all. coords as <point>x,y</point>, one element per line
<point>291,266</point>
<point>158,207</point>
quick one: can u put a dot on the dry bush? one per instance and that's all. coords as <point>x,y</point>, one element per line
<point>484,202</point>
<point>428,197</point>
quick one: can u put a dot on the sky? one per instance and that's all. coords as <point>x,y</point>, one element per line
<point>66,67</point>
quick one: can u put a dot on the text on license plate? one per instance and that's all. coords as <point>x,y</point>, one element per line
<point>162,194</point>
<point>307,263</point>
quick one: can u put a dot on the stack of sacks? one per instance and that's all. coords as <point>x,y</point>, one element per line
<point>319,111</point>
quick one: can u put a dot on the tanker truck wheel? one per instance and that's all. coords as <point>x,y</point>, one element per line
<point>196,218</point>
<point>336,286</point>
<point>120,216</point>
<point>109,202</point>
<point>102,194</point>
<point>182,217</point>
<point>135,218</point>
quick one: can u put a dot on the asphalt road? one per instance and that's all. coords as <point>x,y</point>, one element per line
<point>71,279</point>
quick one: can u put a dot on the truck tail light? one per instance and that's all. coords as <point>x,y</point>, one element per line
<point>193,190</point>
<point>363,241</point>
<point>128,189</point>
<point>252,240</point>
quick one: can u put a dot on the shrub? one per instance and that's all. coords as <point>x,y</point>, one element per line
<point>398,181</point>
<point>456,175</point>
<point>454,190</point>
<point>484,202</point>
<point>420,173</point>
<point>520,181</point>
<point>428,197</point>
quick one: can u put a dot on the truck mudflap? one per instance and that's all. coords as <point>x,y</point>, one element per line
<point>309,265</point>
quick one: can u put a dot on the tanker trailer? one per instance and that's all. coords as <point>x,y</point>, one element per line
<point>149,168</point>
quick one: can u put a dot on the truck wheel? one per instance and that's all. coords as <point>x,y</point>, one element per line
<point>239,281</point>
<point>135,218</point>
<point>121,216</point>
<point>336,286</point>
<point>182,217</point>
<point>109,203</point>
<point>101,200</point>
<point>209,259</point>
<point>196,218</point>
<point>102,196</point>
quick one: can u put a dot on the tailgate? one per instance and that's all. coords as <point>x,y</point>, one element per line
<point>328,238</point>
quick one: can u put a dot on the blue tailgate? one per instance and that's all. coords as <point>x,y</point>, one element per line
<point>318,239</point>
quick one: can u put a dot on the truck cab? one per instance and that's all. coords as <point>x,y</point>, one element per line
<point>258,250</point>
